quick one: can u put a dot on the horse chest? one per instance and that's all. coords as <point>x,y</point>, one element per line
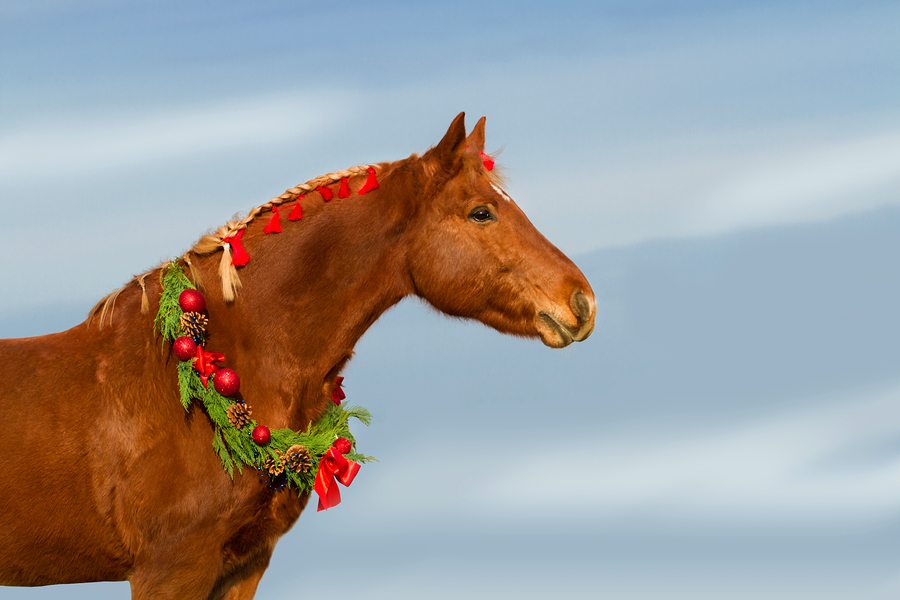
<point>265,522</point>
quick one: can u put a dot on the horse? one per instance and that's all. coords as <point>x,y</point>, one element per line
<point>105,477</point>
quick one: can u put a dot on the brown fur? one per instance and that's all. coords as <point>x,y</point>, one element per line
<point>105,477</point>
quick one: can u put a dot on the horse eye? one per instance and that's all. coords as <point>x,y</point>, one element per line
<point>481,215</point>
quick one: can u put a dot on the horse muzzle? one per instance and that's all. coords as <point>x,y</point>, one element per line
<point>554,329</point>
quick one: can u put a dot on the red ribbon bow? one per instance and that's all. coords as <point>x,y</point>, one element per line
<point>204,364</point>
<point>239,256</point>
<point>337,392</point>
<point>334,467</point>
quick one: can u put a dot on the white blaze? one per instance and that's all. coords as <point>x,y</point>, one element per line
<point>500,191</point>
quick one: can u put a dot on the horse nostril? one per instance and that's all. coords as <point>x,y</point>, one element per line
<point>582,306</point>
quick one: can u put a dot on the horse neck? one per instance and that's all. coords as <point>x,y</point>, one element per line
<point>309,293</point>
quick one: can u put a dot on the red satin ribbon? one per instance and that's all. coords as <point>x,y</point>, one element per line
<point>337,392</point>
<point>334,468</point>
<point>204,364</point>
<point>239,256</point>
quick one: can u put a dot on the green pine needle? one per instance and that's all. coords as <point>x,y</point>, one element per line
<point>168,318</point>
<point>222,451</point>
<point>185,381</point>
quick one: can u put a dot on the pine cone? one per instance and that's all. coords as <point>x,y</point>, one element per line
<point>193,324</point>
<point>274,466</point>
<point>239,414</point>
<point>298,459</point>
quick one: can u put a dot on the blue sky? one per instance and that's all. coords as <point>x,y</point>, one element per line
<point>727,175</point>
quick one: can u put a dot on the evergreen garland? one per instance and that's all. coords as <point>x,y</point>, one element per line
<point>234,446</point>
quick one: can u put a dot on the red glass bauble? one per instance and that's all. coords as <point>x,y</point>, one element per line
<point>192,301</point>
<point>227,382</point>
<point>184,348</point>
<point>342,445</point>
<point>261,435</point>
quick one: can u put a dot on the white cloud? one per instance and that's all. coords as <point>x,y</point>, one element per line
<point>810,183</point>
<point>773,470</point>
<point>786,468</point>
<point>703,186</point>
<point>85,145</point>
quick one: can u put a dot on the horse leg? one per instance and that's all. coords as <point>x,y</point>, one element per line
<point>245,588</point>
<point>241,583</point>
<point>178,574</point>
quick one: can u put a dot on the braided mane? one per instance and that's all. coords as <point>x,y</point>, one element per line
<point>216,241</point>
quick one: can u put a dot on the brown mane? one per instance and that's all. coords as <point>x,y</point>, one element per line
<point>212,242</point>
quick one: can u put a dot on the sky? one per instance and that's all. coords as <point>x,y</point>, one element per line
<point>726,174</point>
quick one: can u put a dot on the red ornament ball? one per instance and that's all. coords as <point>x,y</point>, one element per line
<point>192,301</point>
<point>227,382</point>
<point>261,435</point>
<point>342,445</point>
<point>184,348</point>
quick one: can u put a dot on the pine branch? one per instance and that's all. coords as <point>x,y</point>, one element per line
<point>222,451</point>
<point>185,383</point>
<point>174,281</point>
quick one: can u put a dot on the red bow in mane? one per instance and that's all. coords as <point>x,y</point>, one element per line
<point>334,467</point>
<point>370,184</point>
<point>274,224</point>
<point>325,192</point>
<point>487,160</point>
<point>204,364</point>
<point>344,190</point>
<point>297,211</point>
<point>239,256</point>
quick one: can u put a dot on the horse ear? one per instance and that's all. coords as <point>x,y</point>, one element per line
<point>475,140</point>
<point>449,150</point>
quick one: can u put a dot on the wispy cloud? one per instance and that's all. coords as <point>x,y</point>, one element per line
<point>698,187</point>
<point>809,183</point>
<point>794,467</point>
<point>85,145</point>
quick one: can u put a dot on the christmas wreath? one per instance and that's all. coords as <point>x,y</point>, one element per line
<point>314,459</point>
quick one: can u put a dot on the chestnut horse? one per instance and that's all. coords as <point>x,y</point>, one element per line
<point>108,479</point>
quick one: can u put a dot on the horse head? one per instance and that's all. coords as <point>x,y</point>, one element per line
<point>474,254</point>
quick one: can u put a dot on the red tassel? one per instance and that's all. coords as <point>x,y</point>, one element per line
<point>327,194</point>
<point>370,184</point>
<point>344,192</point>
<point>487,160</point>
<point>239,256</point>
<point>296,212</point>
<point>274,224</point>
